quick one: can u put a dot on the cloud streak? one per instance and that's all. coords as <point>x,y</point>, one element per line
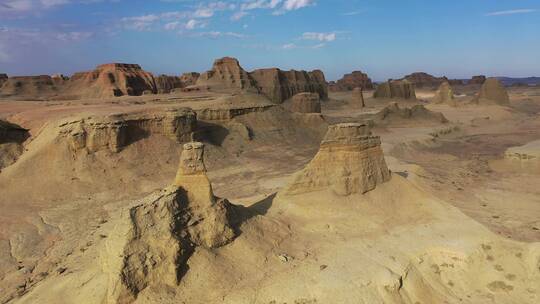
<point>512,12</point>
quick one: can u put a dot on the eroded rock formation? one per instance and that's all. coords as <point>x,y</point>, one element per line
<point>358,97</point>
<point>492,91</point>
<point>417,114</point>
<point>3,79</point>
<point>280,85</point>
<point>114,132</point>
<point>356,79</point>
<point>396,89</point>
<point>167,227</point>
<point>189,79</point>
<point>306,103</point>
<point>29,86</point>
<point>350,160</point>
<point>11,138</point>
<point>165,84</point>
<point>227,74</point>
<point>110,80</point>
<point>421,79</point>
<point>480,79</point>
<point>444,94</point>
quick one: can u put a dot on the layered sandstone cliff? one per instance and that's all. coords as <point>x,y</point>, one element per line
<point>306,103</point>
<point>396,89</point>
<point>114,132</point>
<point>280,85</point>
<point>226,75</point>
<point>350,160</point>
<point>110,80</point>
<point>356,79</point>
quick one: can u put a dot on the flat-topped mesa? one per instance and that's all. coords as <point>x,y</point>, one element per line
<point>227,74</point>
<point>492,92</point>
<point>479,79</point>
<point>444,94</point>
<point>421,79</point>
<point>358,97</point>
<point>191,174</point>
<point>350,161</point>
<point>349,82</point>
<point>110,80</point>
<point>306,103</point>
<point>403,89</point>
<point>280,85</point>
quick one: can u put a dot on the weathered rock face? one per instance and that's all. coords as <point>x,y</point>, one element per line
<point>480,79</point>
<point>421,79</point>
<point>396,89</point>
<point>393,114</point>
<point>444,94</point>
<point>306,103</point>
<point>492,91</point>
<point>350,160</point>
<point>28,86</point>
<point>10,132</point>
<point>358,97</point>
<point>110,80</point>
<point>227,74</point>
<point>3,79</point>
<point>280,85</point>
<point>167,227</point>
<point>165,84</point>
<point>189,79</point>
<point>356,79</point>
<point>226,114</point>
<point>114,132</point>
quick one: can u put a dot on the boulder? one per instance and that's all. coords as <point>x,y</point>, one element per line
<point>227,75</point>
<point>350,160</point>
<point>356,79</point>
<point>280,85</point>
<point>396,89</point>
<point>358,97</point>
<point>110,80</point>
<point>480,79</point>
<point>492,92</point>
<point>444,94</point>
<point>306,103</point>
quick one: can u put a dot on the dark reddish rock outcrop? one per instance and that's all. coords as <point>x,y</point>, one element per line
<point>396,89</point>
<point>280,85</point>
<point>356,79</point>
<point>165,84</point>
<point>306,103</point>
<point>109,80</point>
<point>480,79</point>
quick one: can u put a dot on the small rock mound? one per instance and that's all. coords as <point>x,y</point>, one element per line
<point>358,97</point>
<point>350,160</point>
<point>418,114</point>
<point>444,94</point>
<point>492,91</point>
<point>168,226</point>
<point>396,89</point>
<point>306,103</point>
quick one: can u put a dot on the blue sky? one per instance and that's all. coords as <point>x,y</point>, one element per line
<point>386,39</point>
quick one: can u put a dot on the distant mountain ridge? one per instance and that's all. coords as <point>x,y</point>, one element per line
<point>508,81</point>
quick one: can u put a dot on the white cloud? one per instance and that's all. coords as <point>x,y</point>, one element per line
<point>218,34</point>
<point>280,7</point>
<point>512,12</point>
<point>291,5</point>
<point>289,46</point>
<point>327,37</point>
<point>239,15</point>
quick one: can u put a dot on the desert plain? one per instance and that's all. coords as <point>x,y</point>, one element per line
<point>269,186</point>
